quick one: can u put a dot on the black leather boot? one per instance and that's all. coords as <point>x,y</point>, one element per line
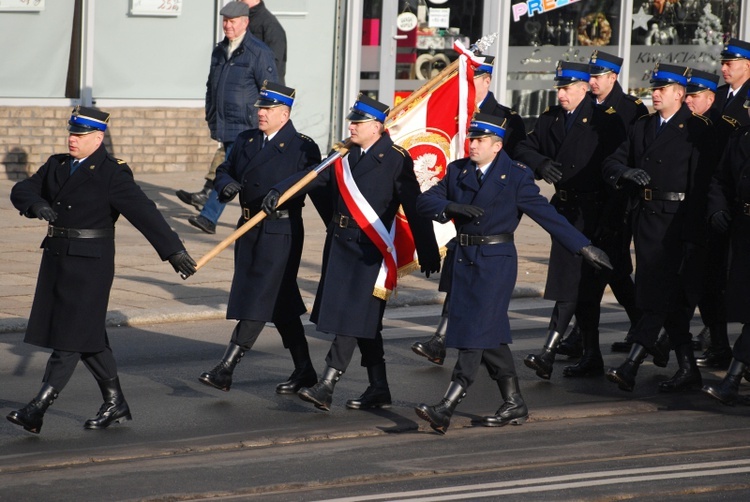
<point>688,376</point>
<point>31,416</point>
<point>591,363</point>
<point>304,374</point>
<point>719,354</point>
<point>196,199</point>
<point>660,350</point>
<point>114,410</point>
<point>321,394</point>
<point>625,345</point>
<point>572,345</point>
<point>543,361</point>
<point>624,375</point>
<point>440,415</point>
<point>221,376</point>
<point>377,394</point>
<point>434,348</point>
<point>727,391</point>
<point>513,410</point>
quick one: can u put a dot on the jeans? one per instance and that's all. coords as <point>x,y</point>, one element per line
<point>213,208</point>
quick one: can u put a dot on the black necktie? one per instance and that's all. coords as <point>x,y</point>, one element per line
<point>74,165</point>
<point>480,175</point>
<point>660,128</point>
<point>568,120</point>
<point>730,97</point>
<point>265,142</point>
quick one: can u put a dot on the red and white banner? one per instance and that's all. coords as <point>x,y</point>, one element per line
<point>433,130</point>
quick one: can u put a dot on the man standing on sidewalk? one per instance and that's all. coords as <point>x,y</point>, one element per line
<point>266,258</point>
<point>240,64</point>
<point>81,195</point>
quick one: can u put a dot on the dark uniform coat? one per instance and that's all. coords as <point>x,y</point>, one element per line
<point>730,192</point>
<point>515,130</point>
<point>266,259</point>
<point>344,304</point>
<point>734,109</point>
<point>614,227</point>
<point>75,277</point>
<point>484,276</point>
<point>668,235</point>
<point>580,193</point>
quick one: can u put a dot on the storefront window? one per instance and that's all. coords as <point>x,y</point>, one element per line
<point>541,34</point>
<point>687,32</point>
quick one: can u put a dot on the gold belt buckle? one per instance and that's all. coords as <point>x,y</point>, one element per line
<point>246,213</point>
<point>648,194</point>
<point>562,195</point>
<point>50,231</point>
<point>343,221</point>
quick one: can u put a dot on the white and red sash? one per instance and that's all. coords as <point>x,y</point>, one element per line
<point>367,219</point>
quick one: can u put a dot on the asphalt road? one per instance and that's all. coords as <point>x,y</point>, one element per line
<point>585,439</point>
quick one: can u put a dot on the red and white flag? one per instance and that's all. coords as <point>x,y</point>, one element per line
<point>433,130</point>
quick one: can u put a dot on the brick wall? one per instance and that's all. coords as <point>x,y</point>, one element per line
<point>148,139</point>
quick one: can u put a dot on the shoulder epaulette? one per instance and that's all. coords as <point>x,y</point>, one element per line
<point>305,138</point>
<point>703,118</point>
<point>519,164</point>
<point>119,161</point>
<point>634,99</point>
<point>400,150</point>
<point>731,121</point>
<point>646,116</point>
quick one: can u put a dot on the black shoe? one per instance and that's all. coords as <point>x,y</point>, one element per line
<point>195,199</point>
<point>716,358</point>
<point>513,410</point>
<point>624,375</point>
<point>434,348</point>
<point>321,394</point>
<point>440,415</point>
<point>31,416</point>
<point>727,391</point>
<point>572,346</point>
<point>220,377</point>
<point>591,364</point>
<point>660,350</point>
<point>623,346</point>
<point>203,223</point>
<point>299,379</point>
<point>688,376</point>
<point>377,394</point>
<point>114,410</point>
<point>542,362</point>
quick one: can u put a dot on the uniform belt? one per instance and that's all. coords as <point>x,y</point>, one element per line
<point>276,215</point>
<point>344,221</point>
<point>479,240</point>
<point>745,208</point>
<point>80,233</point>
<point>650,194</point>
<point>566,195</point>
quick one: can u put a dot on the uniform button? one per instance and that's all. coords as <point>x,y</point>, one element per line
<point>476,223</point>
<point>471,263</point>
<point>648,158</point>
<point>460,260</point>
<point>69,207</point>
<point>58,202</point>
<point>658,161</point>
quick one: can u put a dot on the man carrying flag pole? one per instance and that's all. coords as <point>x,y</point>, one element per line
<point>359,260</point>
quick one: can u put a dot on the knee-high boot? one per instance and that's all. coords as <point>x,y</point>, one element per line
<point>727,391</point>
<point>624,375</point>
<point>513,410</point>
<point>719,353</point>
<point>114,410</point>
<point>321,394</point>
<point>31,416</point>
<point>543,361</point>
<point>591,363</point>
<point>221,376</point>
<point>688,376</point>
<point>377,394</point>
<point>440,415</point>
<point>304,374</point>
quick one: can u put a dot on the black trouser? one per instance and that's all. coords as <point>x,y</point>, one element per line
<point>342,349</point>
<point>246,332</point>
<point>741,350</point>
<point>62,363</point>
<point>587,316</point>
<point>499,363</point>
<point>676,323</point>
